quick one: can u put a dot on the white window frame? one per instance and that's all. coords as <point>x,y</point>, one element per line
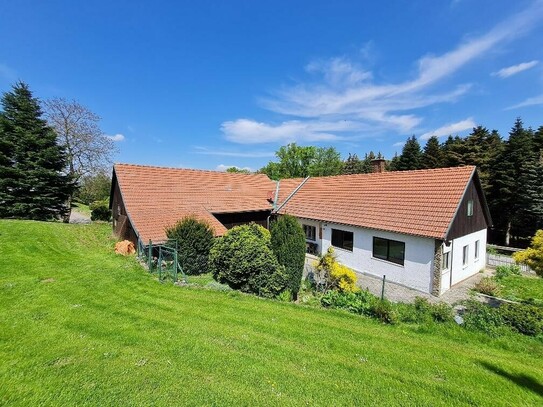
<point>447,265</point>
<point>477,249</point>
<point>470,207</point>
<point>465,256</point>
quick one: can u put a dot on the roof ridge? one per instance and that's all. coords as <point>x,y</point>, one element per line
<point>187,169</point>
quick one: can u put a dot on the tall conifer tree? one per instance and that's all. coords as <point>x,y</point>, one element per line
<point>32,185</point>
<point>432,156</point>
<point>411,157</point>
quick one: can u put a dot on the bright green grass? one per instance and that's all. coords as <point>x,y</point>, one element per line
<point>522,287</point>
<point>82,326</point>
<point>81,208</point>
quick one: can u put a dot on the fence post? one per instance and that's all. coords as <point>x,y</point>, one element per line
<point>160,262</point>
<point>383,288</point>
<point>150,256</point>
<point>175,263</point>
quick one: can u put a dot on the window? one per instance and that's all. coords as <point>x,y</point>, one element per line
<point>465,256</point>
<point>445,261</point>
<point>470,207</point>
<point>310,232</point>
<point>477,250</point>
<point>342,239</point>
<point>389,250</point>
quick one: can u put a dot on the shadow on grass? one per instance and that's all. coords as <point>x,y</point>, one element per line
<point>522,380</point>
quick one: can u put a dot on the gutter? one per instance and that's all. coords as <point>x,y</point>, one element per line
<point>292,194</point>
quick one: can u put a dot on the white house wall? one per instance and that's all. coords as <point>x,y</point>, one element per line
<point>419,255</point>
<point>460,272</point>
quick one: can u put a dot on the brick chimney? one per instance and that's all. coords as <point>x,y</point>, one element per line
<point>378,165</point>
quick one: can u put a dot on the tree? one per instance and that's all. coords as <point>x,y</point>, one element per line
<point>432,156</point>
<point>194,239</point>
<point>453,152</point>
<point>244,260</point>
<point>326,161</point>
<point>299,162</point>
<point>95,187</point>
<point>509,200</point>
<point>288,245</point>
<point>88,149</point>
<point>32,182</point>
<point>366,164</point>
<point>236,170</point>
<point>533,256</point>
<point>411,156</point>
<point>353,165</point>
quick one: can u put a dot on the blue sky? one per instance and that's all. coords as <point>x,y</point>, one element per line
<point>210,84</point>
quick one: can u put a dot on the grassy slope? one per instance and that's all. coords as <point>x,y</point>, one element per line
<point>79,325</point>
<point>522,287</point>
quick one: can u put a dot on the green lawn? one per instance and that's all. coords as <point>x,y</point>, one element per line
<point>82,326</point>
<point>522,288</point>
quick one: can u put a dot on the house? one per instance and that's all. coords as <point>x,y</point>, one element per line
<point>424,229</point>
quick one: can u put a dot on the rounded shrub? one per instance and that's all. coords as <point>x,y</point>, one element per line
<point>288,245</point>
<point>343,278</point>
<point>243,259</point>
<point>526,319</point>
<point>100,211</point>
<point>194,239</point>
<point>488,286</point>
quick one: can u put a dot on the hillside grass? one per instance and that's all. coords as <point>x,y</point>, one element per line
<point>522,287</point>
<point>82,326</point>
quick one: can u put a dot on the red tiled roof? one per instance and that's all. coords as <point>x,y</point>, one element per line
<point>421,202</point>
<point>157,197</point>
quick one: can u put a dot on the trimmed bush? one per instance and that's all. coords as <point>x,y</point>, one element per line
<point>288,245</point>
<point>526,319</point>
<point>100,211</point>
<point>488,286</point>
<point>507,270</point>
<point>194,239</point>
<point>243,259</point>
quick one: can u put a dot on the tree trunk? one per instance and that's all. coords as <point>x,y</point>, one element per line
<point>66,218</point>
<point>508,234</point>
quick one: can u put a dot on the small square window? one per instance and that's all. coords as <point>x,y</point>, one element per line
<point>342,239</point>
<point>470,207</point>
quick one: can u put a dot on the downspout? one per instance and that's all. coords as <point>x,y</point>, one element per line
<point>292,194</point>
<point>274,205</point>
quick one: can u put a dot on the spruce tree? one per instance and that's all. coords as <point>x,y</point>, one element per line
<point>411,157</point>
<point>32,185</point>
<point>353,165</point>
<point>366,163</point>
<point>454,152</point>
<point>432,156</point>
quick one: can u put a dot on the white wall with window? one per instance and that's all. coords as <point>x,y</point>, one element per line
<point>381,253</point>
<point>468,256</point>
<point>311,230</point>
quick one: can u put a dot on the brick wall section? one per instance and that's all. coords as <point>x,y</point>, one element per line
<point>436,277</point>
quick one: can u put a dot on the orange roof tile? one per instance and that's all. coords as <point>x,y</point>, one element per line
<point>157,197</point>
<point>421,202</point>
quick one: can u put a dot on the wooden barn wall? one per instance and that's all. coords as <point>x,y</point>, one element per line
<point>121,223</point>
<point>464,224</point>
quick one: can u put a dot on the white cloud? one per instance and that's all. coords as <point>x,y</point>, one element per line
<point>399,144</point>
<point>515,69</point>
<point>346,100</point>
<point>247,131</point>
<point>223,167</point>
<point>117,137</point>
<point>452,128</point>
<point>7,73</point>
<point>533,101</point>
<point>245,154</point>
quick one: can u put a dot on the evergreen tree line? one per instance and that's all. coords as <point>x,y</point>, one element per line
<point>511,171</point>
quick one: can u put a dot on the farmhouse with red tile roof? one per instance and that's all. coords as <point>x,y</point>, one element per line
<point>424,229</point>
